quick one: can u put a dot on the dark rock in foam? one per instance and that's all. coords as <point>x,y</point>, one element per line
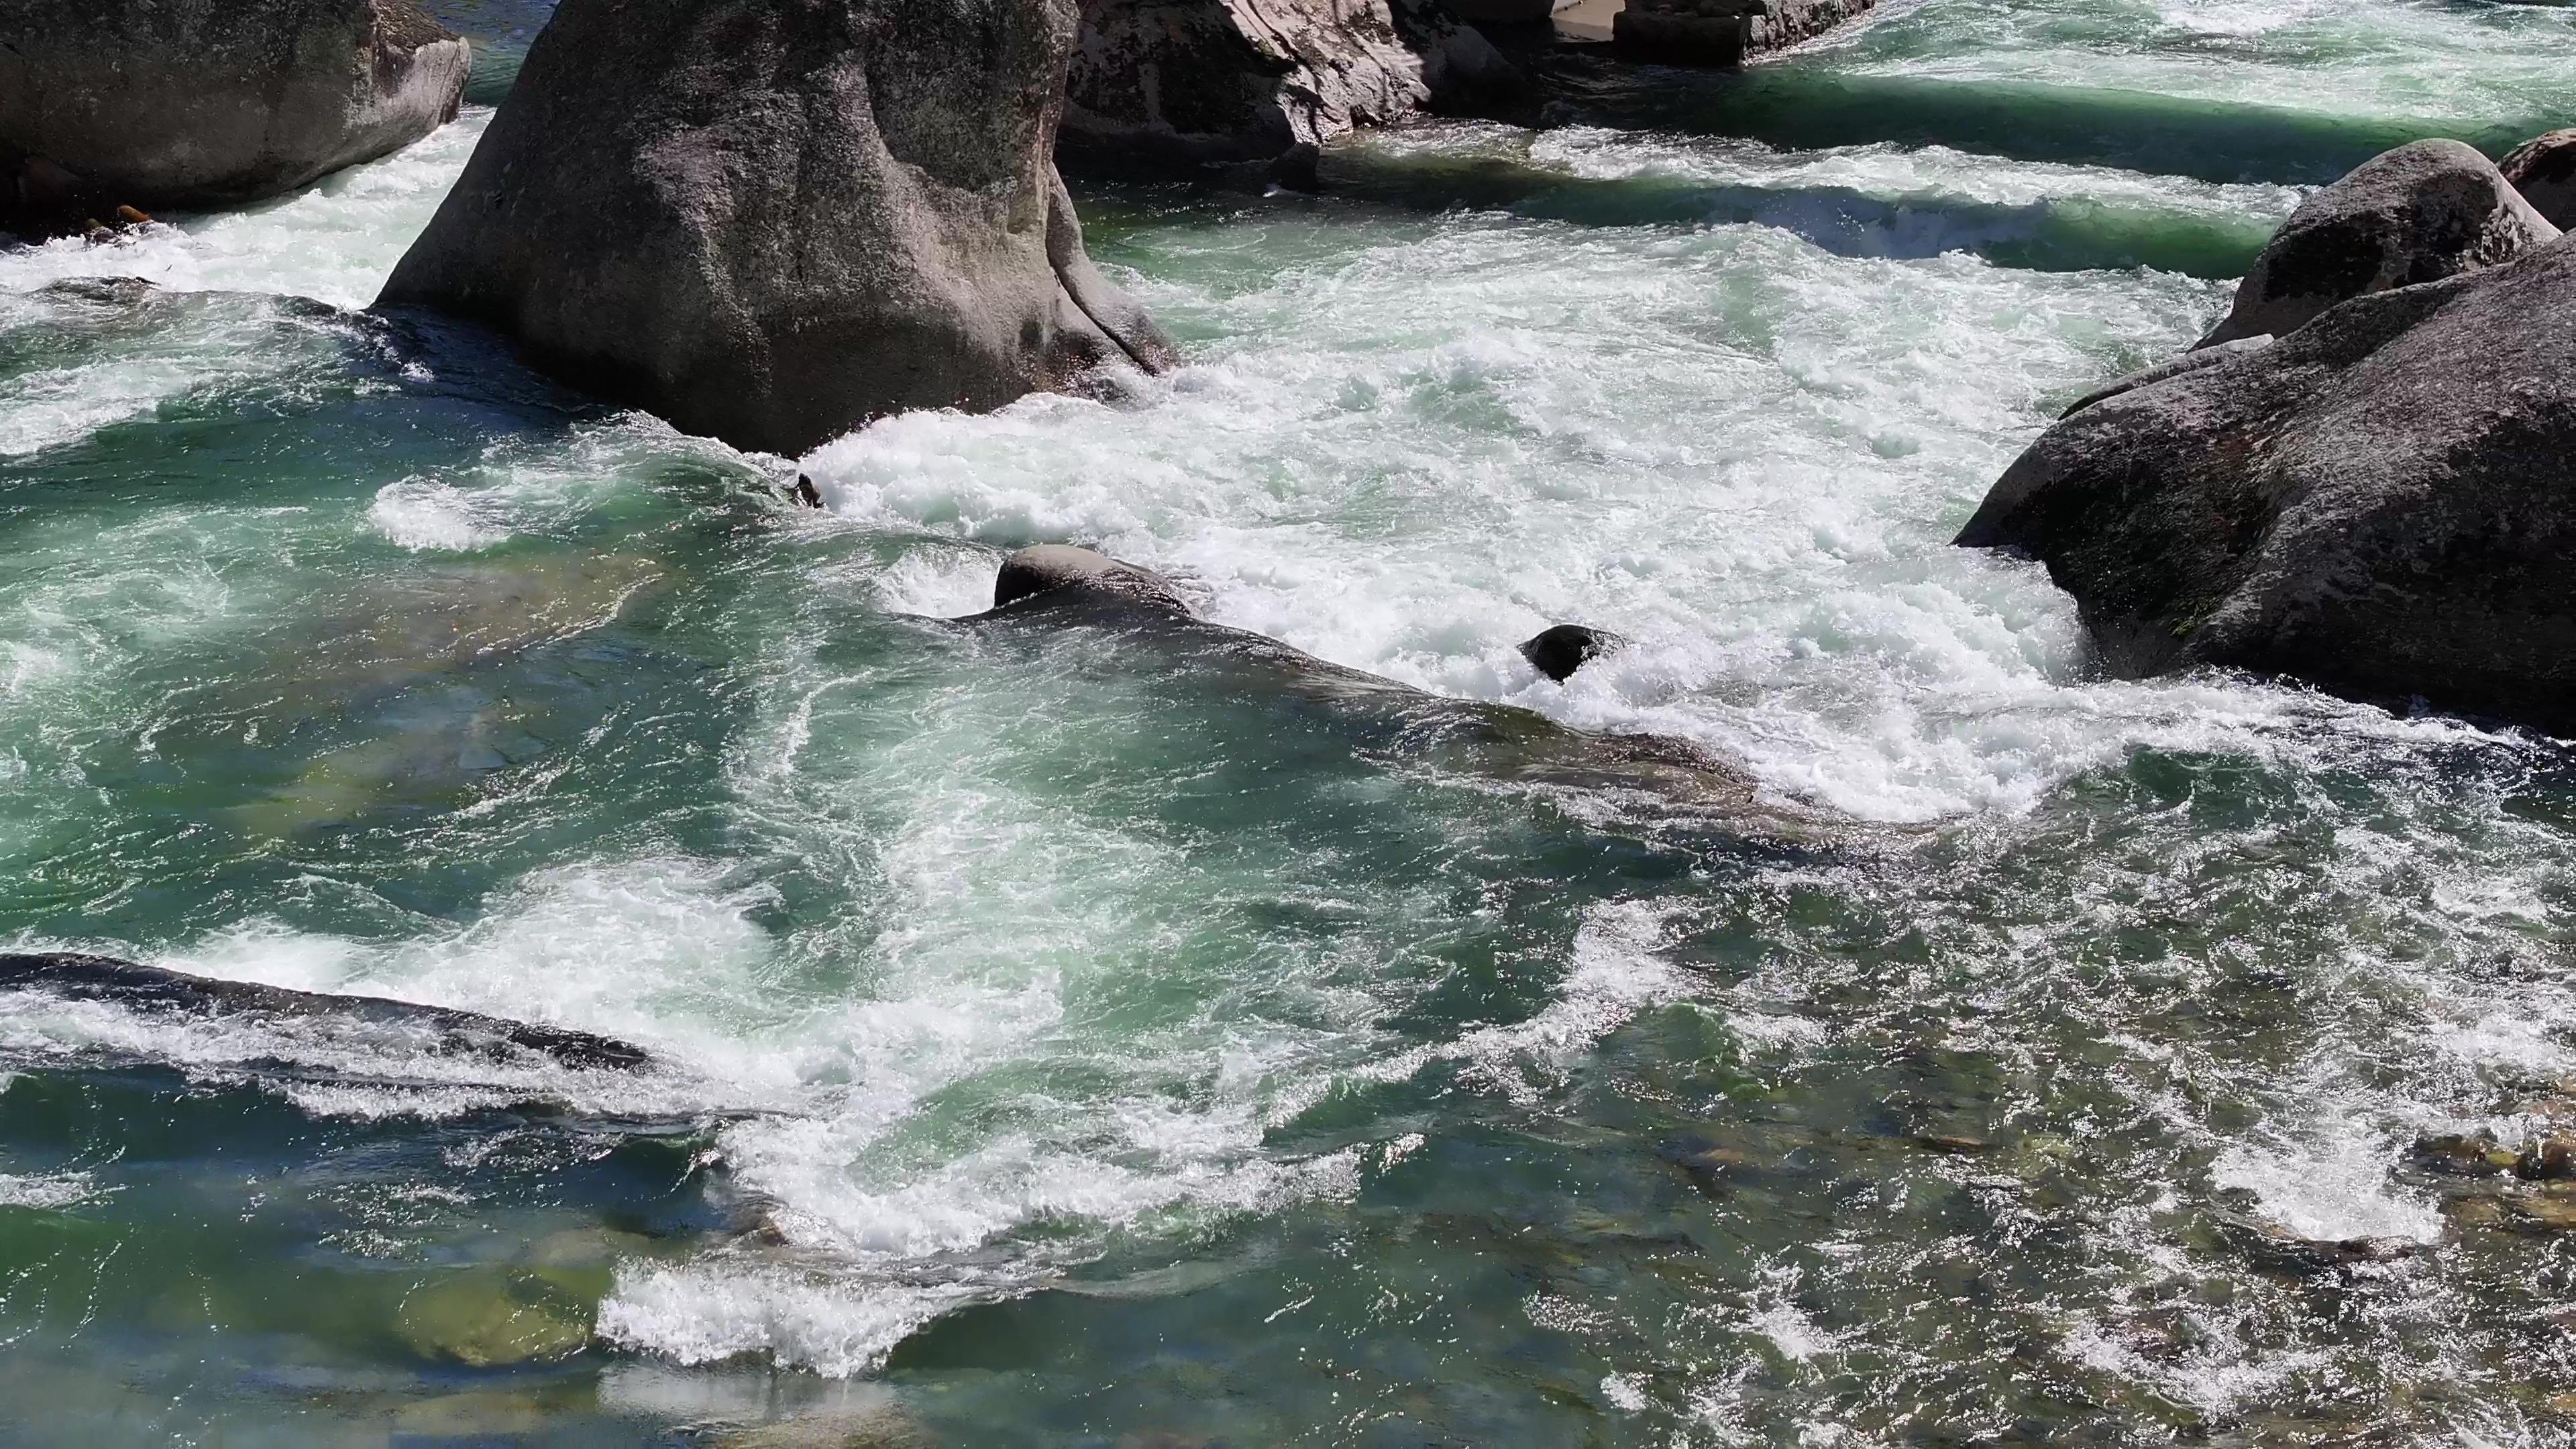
<point>213,102</point>
<point>460,1033</point>
<point>1559,651</point>
<point>2379,502</point>
<point>773,220</point>
<point>2417,214</point>
<point>1066,572</point>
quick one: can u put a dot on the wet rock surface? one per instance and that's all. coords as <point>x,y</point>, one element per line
<point>2375,503</point>
<point>2416,214</point>
<point>772,223</point>
<point>211,102</point>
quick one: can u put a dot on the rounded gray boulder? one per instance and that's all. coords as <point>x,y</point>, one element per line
<point>2417,214</point>
<point>771,221</point>
<point>1066,571</point>
<point>2378,503</point>
<point>194,103</point>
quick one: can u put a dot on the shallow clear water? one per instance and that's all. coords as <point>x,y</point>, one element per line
<point>1078,1035</point>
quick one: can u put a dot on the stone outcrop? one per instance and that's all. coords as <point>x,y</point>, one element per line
<point>2378,502</point>
<point>1238,80</point>
<point>1063,571</point>
<point>771,221</point>
<point>2543,169</point>
<point>193,103</point>
<point>2413,215</point>
<point>1724,32</point>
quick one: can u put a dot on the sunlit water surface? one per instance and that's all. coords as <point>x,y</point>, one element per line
<point>1070,1037</point>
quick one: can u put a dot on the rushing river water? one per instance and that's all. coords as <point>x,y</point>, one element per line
<point>1071,1038</point>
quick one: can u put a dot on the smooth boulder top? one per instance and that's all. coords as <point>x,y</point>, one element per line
<point>1066,572</point>
<point>772,221</point>
<point>192,103</point>
<point>1560,650</point>
<point>78,977</point>
<point>2543,169</point>
<point>2417,214</point>
<point>2378,503</point>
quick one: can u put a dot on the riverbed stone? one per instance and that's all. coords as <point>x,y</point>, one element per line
<point>771,221</point>
<point>489,1317</point>
<point>2419,213</point>
<point>2376,503</point>
<point>2543,169</point>
<point>215,102</point>
<point>1244,80</point>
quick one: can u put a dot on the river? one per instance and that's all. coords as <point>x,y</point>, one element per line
<point>1067,1040</point>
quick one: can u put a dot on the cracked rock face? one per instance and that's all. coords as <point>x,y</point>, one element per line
<point>1238,80</point>
<point>770,221</point>
<point>191,103</point>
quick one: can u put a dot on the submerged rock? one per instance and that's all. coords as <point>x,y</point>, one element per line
<point>215,102</point>
<point>1073,586</point>
<point>461,1033</point>
<point>771,221</point>
<point>1559,651</point>
<point>2376,503</point>
<point>1234,80</point>
<point>2417,214</point>
<point>490,1317</point>
<point>2543,169</point>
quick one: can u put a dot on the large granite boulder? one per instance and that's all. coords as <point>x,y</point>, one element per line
<point>2382,502</point>
<point>1234,80</point>
<point>2416,214</point>
<point>773,220</point>
<point>211,102</point>
<point>2543,169</point>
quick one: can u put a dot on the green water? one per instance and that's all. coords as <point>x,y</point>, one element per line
<point>1078,1033</point>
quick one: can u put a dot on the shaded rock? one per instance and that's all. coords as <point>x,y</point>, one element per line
<point>2543,169</point>
<point>2547,1158</point>
<point>2547,1210</point>
<point>1236,80</point>
<point>2417,214</point>
<point>2376,503</point>
<point>2192,361</point>
<point>213,102</point>
<point>771,221</point>
<point>1724,32</point>
<point>1559,651</point>
<point>804,494</point>
<point>1061,569</point>
<point>459,1033</point>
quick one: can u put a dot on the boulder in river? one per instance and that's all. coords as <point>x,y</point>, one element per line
<point>1235,80</point>
<point>1724,32</point>
<point>2543,169</point>
<point>2377,503</point>
<point>215,102</point>
<point>2417,214</point>
<point>1064,571</point>
<point>1559,651</point>
<point>771,221</point>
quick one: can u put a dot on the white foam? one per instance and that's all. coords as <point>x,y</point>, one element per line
<point>49,1192</point>
<point>419,514</point>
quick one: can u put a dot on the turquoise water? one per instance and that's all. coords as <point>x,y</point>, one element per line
<point>1077,1034</point>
